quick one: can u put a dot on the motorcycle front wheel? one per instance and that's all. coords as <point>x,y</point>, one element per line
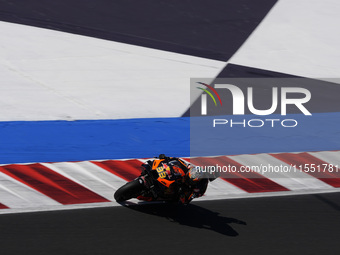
<point>129,190</point>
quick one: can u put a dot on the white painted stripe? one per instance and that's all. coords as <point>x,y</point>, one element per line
<point>293,180</point>
<point>15,194</point>
<point>61,76</point>
<point>331,157</point>
<point>198,200</point>
<point>90,176</point>
<point>220,187</point>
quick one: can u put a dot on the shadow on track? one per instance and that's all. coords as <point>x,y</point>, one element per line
<point>191,215</point>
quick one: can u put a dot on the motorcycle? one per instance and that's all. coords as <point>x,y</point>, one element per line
<point>165,179</point>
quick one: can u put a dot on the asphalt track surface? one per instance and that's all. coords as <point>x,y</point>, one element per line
<point>304,224</point>
<point>213,29</point>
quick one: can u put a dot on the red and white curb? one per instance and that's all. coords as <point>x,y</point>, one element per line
<point>68,185</point>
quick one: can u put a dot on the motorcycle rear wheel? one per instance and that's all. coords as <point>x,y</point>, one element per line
<point>129,190</point>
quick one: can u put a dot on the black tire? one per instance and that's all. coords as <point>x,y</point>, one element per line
<point>129,190</point>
